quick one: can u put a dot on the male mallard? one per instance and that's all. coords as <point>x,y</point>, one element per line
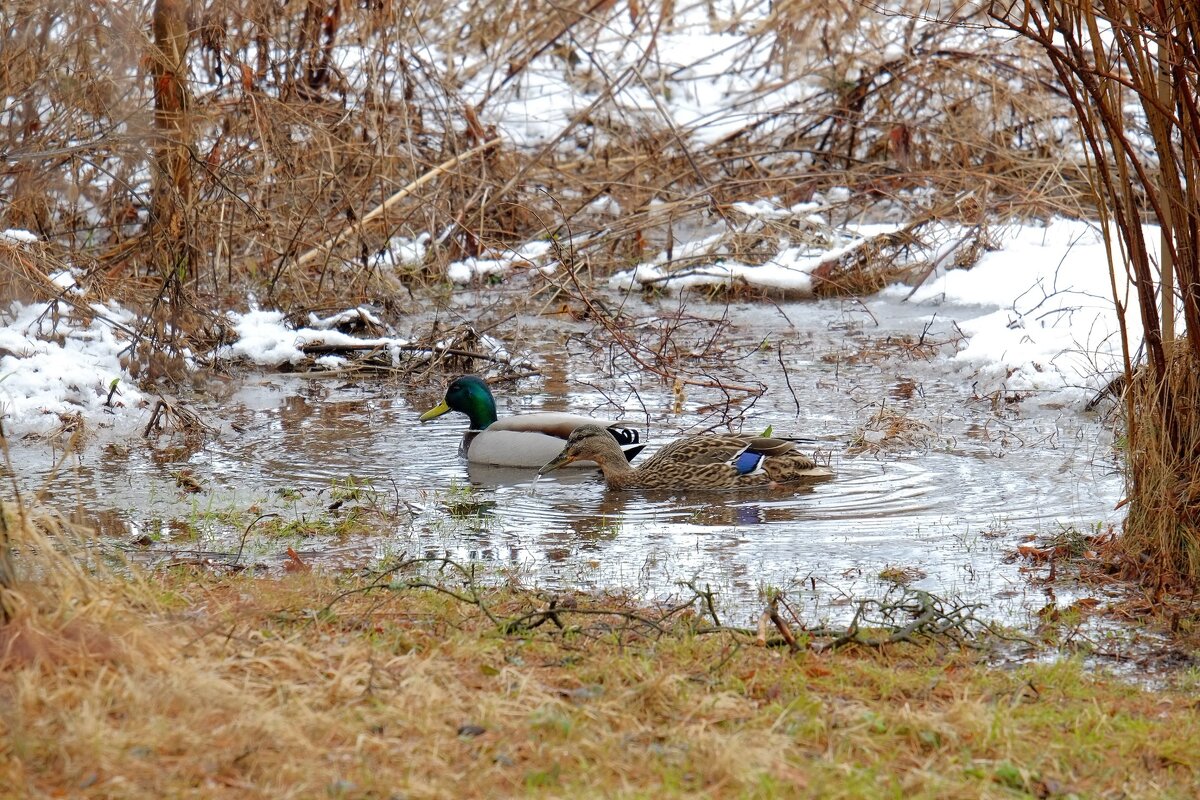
<point>695,462</point>
<point>525,440</point>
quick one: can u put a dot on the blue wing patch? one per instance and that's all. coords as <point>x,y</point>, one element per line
<point>747,461</point>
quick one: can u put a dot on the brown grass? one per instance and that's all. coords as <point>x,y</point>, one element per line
<point>186,684</point>
<point>1163,526</point>
<point>889,430</point>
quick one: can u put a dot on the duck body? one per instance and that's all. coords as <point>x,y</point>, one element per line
<point>709,462</point>
<point>530,440</point>
<point>523,440</point>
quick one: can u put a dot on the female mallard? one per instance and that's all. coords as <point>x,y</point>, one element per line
<point>695,462</point>
<point>525,440</point>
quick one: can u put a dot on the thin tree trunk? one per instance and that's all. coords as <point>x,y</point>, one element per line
<point>172,191</point>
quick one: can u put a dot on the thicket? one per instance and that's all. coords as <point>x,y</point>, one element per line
<point>1116,58</point>
<point>218,146</point>
<point>185,154</point>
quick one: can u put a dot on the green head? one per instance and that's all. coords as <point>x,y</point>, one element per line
<point>468,395</point>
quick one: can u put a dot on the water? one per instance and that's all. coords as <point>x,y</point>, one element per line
<point>973,478</point>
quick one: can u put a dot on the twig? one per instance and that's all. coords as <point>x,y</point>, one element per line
<point>242,543</point>
<point>934,263</point>
<point>787,378</point>
<point>609,325</point>
<point>780,625</point>
<point>709,601</point>
<point>319,348</point>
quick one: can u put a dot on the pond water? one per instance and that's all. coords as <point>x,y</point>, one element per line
<point>946,493</point>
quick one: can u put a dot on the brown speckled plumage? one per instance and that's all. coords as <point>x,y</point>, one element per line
<point>694,462</point>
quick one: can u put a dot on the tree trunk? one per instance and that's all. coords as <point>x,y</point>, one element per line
<point>172,188</point>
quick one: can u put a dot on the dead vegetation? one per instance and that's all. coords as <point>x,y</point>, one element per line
<point>327,156</point>
<point>908,347</point>
<point>303,145</point>
<point>294,143</point>
<point>1110,57</point>
<point>892,431</point>
<point>188,683</point>
<point>1099,604</point>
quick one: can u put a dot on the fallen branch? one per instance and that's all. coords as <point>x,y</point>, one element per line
<point>930,617</point>
<point>440,169</point>
<point>900,615</point>
<point>325,349</point>
<point>768,617</point>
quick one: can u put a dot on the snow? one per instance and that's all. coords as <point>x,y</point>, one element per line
<point>351,316</point>
<point>1038,312</point>
<point>64,280</point>
<point>604,205</point>
<point>401,251</point>
<point>18,236</point>
<point>263,338</point>
<point>706,262</point>
<point>791,269</point>
<point>536,254</point>
<point>56,363</point>
<point>266,339</point>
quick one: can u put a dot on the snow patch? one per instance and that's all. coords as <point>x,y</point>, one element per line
<point>18,236</point>
<point>401,251</point>
<point>266,339</point>
<point>531,255</point>
<point>790,269</point>
<point>54,364</point>
<point>1046,320</point>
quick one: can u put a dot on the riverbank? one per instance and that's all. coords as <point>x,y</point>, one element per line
<point>197,681</point>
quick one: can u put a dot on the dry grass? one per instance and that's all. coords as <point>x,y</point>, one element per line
<point>1163,527</point>
<point>185,684</point>
<point>891,431</point>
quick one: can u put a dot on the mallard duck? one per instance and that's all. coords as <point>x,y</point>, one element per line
<point>722,461</point>
<point>524,440</point>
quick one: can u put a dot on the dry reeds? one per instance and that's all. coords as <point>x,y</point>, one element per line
<point>292,124</point>
<point>890,431</point>
<point>54,610</point>
<point>1162,530</point>
<point>1111,55</point>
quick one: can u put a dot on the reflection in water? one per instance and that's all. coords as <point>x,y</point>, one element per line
<point>284,442</point>
<point>714,509</point>
<point>489,476</point>
<point>108,523</point>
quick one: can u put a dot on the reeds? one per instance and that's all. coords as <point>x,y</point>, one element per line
<point>1114,57</point>
<point>292,123</point>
